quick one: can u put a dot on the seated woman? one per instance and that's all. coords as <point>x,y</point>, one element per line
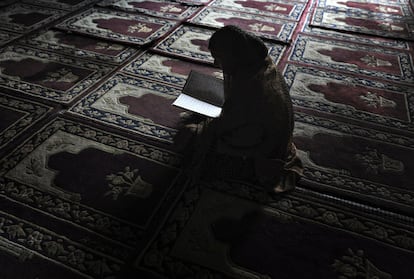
<point>252,138</point>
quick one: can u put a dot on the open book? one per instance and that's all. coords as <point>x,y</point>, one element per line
<point>203,94</point>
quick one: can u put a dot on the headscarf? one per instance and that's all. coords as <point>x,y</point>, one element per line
<point>242,50</point>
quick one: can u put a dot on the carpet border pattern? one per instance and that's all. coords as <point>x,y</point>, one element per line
<point>33,112</point>
<point>59,249</point>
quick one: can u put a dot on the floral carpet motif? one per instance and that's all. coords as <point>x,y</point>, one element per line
<point>166,69</point>
<point>137,105</point>
<point>80,46</point>
<point>22,18</point>
<point>61,4</point>
<point>47,75</point>
<point>165,9</point>
<point>17,115</point>
<point>191,43</point>
<point>371,24</point>
<point>227,231</point>
<point>103,190</point>
<point>378,62</point>
<point>359,99</point>
<point>273,8</point>
<point>262,26</point>
<point>118,26</point>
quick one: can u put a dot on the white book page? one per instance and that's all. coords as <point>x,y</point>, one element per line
<point>193,104</point>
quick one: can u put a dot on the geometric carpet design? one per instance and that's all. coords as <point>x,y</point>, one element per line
<point>91,180</point>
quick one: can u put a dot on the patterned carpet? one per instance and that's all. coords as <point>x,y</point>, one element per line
<point>90,179</point>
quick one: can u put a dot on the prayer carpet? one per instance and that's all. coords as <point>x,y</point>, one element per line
<point>166,69</point>
<point>400,8</point>
<point>136,105</point>
<point>118,26</point>
<point>365,23</point>
<point>47,75</point>
<point>187,42</point>
<point>68,5</point>
<point>262,26</point>
<point>272,8</point>
<point>377,62</point>
<point>80,46</point>
<point>231,230</point>
<point>157,8</point>
<point>91,185</point>
<point>194,2</point>
<point>83,198</point>
<point>191,43</point>
<point>22,18</point>
<point>354,98</point>
<point>357,162</point>
<point>358,38</point>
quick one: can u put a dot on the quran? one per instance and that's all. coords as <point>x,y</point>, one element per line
<point>203,94</point>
